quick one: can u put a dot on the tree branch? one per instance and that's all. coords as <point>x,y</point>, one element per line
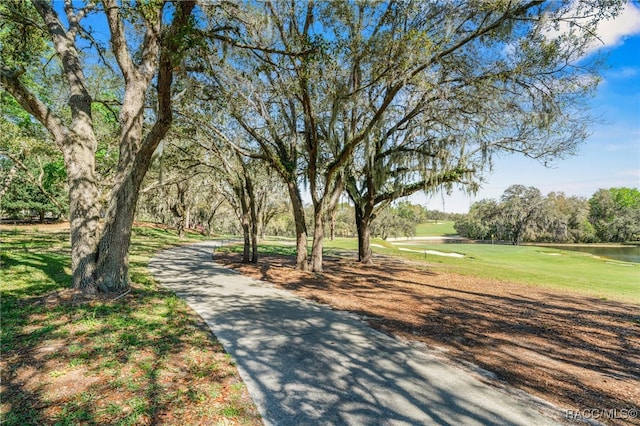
<point>64,44</point>
<point>119,42</point>
<point>220,136</point>
<point>450,176</point>
<point>10,81</point>
<point>171,47</point>
<point>263,49</point>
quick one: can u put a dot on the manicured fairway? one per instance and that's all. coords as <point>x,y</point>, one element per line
<point>530,265</point>
<point>436,228</point>
<point>553,268</point>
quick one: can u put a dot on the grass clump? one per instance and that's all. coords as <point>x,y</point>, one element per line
<point>145,358</point>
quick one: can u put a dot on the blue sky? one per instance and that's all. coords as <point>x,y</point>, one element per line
<point>610,157</point>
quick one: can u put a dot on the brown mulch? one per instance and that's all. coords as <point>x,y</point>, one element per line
<point>579,353</point>
<point>50,227</point>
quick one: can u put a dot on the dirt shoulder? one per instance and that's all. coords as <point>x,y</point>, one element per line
<point>579,353</point>
<point>48,227</point>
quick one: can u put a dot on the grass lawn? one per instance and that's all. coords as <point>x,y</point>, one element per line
<point>145,358</point>
<point>529,265</point>
<point>436,229</point>
<point>538,266</point>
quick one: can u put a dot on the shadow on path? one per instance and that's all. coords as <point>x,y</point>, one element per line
<point>306,364</point>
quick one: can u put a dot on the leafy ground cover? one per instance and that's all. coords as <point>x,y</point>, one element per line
<point>143,358</point>
<point>574,350</point>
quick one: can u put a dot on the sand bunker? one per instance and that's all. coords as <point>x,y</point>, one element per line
<point>434,252</point>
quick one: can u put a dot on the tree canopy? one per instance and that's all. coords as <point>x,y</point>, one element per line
<point>523,214</point>
<point>381,99</point>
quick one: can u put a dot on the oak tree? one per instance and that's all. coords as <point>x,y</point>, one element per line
<point>146,43</point>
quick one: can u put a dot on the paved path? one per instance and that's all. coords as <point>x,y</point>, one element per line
<point>305,364</point>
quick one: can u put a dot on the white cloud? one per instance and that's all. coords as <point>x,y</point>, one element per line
<point>625,72</point>
<point>610,32</point>
<point>627,23</point>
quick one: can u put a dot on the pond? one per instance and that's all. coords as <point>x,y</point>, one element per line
<point>626,253</point>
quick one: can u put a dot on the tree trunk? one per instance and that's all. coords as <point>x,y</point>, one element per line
<point>245,218</point>
<point>262,230</point>
<point>135,150</point>
<point>178,208</point>
<point>211,217</point>
<point>254,243</point>
<point>260,227</point>
<point>254,217</point>
<point>178,212</point>
<point>363,207</point>
<point>247,240</point>
<point>301,226</point>
<point>261,211</point>
<point>332,225</point>
<point>363,225</point>
<point>83,214</point>
<point>318,237</point>
<point>135,158</point>
<point>113,254</point>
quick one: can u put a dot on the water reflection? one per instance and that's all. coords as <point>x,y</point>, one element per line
<point>626,253</point>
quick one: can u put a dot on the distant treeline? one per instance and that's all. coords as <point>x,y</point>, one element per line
<point>524,214</point>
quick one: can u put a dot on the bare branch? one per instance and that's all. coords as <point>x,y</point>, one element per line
<point>75,16</point>
<point>118,41</point>
<point>221,136</point>
<point>233,42</point>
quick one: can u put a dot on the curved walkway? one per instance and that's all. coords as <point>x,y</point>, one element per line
<point>305,364</point>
